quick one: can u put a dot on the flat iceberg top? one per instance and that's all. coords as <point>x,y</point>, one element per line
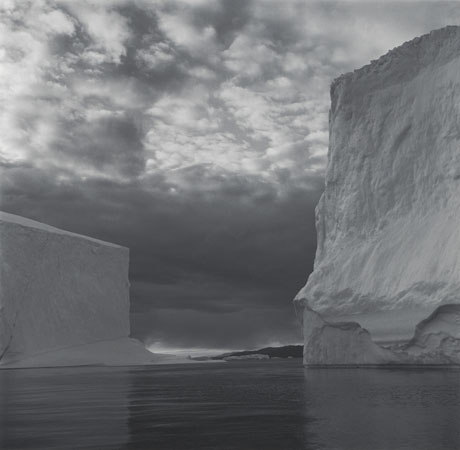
<point>29,223</point>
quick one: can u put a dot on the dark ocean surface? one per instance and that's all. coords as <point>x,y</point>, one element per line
<point>244,405</point>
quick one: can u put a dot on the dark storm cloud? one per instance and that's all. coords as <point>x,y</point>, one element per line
<point>194,133</point>
<point>250,328</point>
<point>222,254</point>
<point>251,237</point>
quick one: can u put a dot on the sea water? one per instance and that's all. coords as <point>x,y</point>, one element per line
<point>243,405</point>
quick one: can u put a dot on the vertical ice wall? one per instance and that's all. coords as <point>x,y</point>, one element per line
<point>388,222</point>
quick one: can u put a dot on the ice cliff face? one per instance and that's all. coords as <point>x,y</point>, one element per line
<point>388,222</point>
<point>63,297</point>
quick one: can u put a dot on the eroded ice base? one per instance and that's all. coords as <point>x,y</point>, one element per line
<point>433,340</point>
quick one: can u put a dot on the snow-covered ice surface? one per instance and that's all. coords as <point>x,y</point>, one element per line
<point>64,299</point>
<point>388,222</point>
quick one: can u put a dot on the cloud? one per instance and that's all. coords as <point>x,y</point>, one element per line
<point>197,41</point>
<point>157,56</point>
<point>106,142</point>
<point>108,30</point>
<point>56,22</point>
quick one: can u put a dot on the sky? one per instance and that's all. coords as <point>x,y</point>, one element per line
<point>193,132</point>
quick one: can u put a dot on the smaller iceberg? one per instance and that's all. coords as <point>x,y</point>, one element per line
<point>64,299</point>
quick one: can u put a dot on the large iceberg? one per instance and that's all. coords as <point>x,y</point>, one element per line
<point>386,281</point>
<point>64,299</point>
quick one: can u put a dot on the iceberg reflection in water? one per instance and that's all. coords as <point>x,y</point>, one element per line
<point>246,405</point>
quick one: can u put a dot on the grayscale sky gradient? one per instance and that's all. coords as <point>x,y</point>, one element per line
<point>193,132</point>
